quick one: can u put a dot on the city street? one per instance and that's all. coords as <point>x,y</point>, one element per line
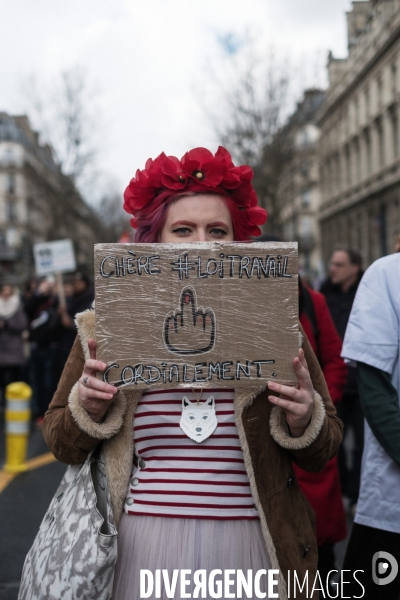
<point>23,503</point>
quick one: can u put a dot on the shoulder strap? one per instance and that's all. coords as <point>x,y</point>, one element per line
<point>101,489</point>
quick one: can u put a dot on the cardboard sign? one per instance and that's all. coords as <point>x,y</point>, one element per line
<point>54,257</point>
<point>197,315</point>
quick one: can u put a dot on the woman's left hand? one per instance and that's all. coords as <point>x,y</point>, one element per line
<point>297,402</point>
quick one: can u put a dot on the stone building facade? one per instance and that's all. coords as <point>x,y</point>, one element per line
<point>37,203</point>
<point>299,189</point>
<point>360,135</point>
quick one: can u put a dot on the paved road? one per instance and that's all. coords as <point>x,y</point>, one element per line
<point>23,504</point>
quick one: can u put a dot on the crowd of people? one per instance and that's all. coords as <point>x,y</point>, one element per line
<point>37,332</point>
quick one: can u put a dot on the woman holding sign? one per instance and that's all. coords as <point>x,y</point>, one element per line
<point>220,495</point>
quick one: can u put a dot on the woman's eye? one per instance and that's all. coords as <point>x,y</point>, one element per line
<point>220,232</point>
<point>181,230</point>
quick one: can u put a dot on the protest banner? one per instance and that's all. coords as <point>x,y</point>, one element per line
<point>197,315</point>
<point>54,257</point>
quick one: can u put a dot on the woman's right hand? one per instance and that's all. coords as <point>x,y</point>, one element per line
<point>95,396</point>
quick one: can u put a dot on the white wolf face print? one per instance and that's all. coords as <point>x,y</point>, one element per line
<point>198,421</point>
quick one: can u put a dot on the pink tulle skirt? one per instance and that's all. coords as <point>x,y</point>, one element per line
<point>165,543</point>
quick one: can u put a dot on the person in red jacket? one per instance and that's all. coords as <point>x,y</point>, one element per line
<point>323,489</point>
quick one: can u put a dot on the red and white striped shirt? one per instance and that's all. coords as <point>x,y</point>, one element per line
<point>173,476</point>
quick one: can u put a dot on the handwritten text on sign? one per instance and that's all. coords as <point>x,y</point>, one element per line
<point>173,315</point>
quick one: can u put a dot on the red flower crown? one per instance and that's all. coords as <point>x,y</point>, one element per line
<point>200,171</point>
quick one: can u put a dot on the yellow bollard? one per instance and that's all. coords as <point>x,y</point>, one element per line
<point>17,419</point>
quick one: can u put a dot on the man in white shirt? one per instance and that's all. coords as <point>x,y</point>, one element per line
<point>372,341</point>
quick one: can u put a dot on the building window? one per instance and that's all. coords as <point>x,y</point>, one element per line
<point>356,113</point>
<point>306,227</point>
<point>12,237</point>
<point>329,175</point>
<point>367,102</point>
<point>357,159</point>
<point>289,229</point>
<point>380,226</point>
<point>349,119</point>
<point>305,198</point>
<point>305,168</point>
<point>395,132</point>
<point>379,91</point>
<point>348,165</point>
<point>328,179</point>
<point>338,174</point>
<point>11,211</point>
<point>368,156</point>
<point>381,144</point>
<point>11,183</point>
<point>304,139</point>
<point>7,156</point>
<point>394,79</point>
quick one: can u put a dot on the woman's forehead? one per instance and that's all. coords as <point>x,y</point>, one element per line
<point>199,207</point>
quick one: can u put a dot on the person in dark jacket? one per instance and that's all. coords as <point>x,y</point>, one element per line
<point>345,272</point>
<point>322,489</point>
<point>81,299</point>
<point>41,308</point>
<point>13,322</point>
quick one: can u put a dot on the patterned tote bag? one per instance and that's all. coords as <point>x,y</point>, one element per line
<point>75,551</point>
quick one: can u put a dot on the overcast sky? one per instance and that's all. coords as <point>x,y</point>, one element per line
<point>146,60</point>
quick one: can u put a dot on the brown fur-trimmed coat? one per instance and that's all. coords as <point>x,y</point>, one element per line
<point>287,520</point>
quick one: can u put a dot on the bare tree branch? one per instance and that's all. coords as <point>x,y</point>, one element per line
<point>256,103</point>
<point>65,118</point>
<point>112,214</point>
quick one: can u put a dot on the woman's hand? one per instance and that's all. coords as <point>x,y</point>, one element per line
<point>95,395</point>
<point>297,402</point>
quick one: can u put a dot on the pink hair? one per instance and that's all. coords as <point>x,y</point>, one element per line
<point>151,218</point>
